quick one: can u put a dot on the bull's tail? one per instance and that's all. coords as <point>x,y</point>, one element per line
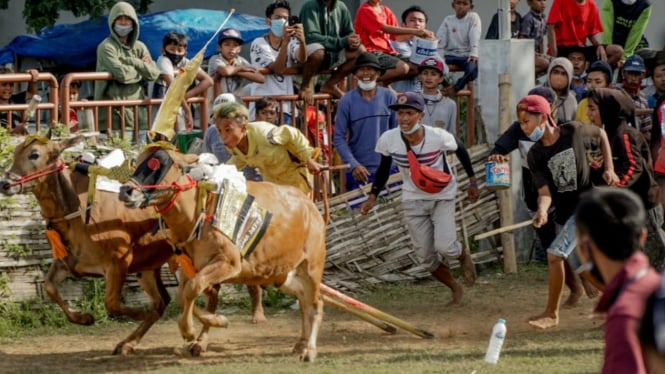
<point>326,204</point>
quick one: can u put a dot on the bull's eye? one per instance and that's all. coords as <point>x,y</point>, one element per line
<point>154,164</point>
<point>33,156</point>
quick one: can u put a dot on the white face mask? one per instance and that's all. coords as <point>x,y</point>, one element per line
<point>123,30</point>
<point>367,86</point>
<point>629,2</point>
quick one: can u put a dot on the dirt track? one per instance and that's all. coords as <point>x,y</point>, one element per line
<point>342,337</point>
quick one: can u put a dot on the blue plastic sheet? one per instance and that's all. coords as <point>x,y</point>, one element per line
<point>75,45</point>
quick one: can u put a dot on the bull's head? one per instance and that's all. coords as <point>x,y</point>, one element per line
<point>155,180</point>
<point>34,159</point>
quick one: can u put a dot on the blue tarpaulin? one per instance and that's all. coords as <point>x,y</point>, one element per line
<point>75,45</point>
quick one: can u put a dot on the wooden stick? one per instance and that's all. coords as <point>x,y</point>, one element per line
<point>335,167</point>
<point>503,229</point>
<point>374,312</point>
<point>360,314</point>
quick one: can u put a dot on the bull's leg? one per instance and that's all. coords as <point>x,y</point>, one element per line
<point>151,282</point>
<point>212,300</point>
<point>57,272</point>
<point>211,274</point>
<point>255,295</point>
<point>115,279</point>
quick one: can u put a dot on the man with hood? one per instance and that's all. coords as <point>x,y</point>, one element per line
<point>614,109</point>
<point>129,62</point>
<point>559,78</point>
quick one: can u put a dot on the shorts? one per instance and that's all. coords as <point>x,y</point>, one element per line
<point>331,60</point>
<point>386,61</point>
<point>565,242</point>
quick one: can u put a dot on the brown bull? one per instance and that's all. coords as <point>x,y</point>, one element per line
<point>118,241</point>
<point>291,254</point>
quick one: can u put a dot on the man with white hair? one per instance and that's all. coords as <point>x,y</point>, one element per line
<point>213,143</point>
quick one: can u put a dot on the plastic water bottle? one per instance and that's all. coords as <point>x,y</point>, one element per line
<point>496,341</point>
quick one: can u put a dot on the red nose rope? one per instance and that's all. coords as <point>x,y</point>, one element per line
<point>52,168</point>
<point>173,186</point>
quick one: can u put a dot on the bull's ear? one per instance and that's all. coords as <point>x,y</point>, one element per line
<point>71,142</point>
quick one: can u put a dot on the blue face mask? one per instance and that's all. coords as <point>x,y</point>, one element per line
<point>537,133</point>
<point>277,27</point>
<point>413,129</point>
<point>123,30</point>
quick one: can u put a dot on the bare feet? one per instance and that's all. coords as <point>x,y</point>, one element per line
<point>544,321</point>
<point>573,299</point>
<point>307,95</point>
<point>590,291</point>
<point>468,268</point>
<point>458,292</point>
<point>334,91</point>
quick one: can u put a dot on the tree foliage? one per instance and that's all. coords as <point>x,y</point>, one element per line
<point>44,13</point>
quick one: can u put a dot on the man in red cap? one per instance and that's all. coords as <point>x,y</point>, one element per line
<point>559,163</point>
<point>430,216</point>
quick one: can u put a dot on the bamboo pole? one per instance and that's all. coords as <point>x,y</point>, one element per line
<point>505,200</point>
<point>325,290</point>
<point>360,314</point>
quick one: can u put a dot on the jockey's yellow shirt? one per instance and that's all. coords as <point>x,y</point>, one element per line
<point>279,152</point>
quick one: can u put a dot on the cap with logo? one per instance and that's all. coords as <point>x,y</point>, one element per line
<point>433,63</point>
<point>230,34</point>
<point>634,63</point>
<point>412,100</point>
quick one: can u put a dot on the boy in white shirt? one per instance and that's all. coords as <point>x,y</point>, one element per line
<point>283,46</point>
<point>459,38</point>
<point>440,111</point>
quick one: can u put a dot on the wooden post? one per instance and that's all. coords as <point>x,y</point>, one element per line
<point>505,196</point>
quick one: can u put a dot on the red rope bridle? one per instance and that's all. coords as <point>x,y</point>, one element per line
<point>173,186</point>
<point>51,168</point>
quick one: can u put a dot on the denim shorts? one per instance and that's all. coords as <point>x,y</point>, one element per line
<point>565,242</point>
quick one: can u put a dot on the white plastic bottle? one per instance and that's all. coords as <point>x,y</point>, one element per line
<point>496,341</point>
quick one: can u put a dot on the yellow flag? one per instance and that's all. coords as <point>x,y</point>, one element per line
<point>167,113</point>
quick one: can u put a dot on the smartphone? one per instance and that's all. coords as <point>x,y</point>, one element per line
<point>293,20</point>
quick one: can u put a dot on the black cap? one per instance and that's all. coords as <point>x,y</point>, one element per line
<point>367,59</point>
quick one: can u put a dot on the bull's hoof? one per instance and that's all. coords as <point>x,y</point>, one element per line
<point>300,347</point>
<point>123,349</point>
<point>215,320</point>
<point>189,350</point>
<point>309,355</point>
<point>186,330</point>
<point>84,319</point>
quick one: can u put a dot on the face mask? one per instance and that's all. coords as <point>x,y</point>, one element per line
<point>277,27</point>
<point>537,133</point>
<point>629,2</point>
<point>413,129</point>
<point>366,86</point>
<point>123,30</point>
<point>175,59</point>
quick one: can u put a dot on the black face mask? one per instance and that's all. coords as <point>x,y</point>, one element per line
<point>175,59</point>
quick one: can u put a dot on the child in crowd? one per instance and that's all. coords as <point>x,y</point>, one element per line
<point>73,118</point>
<point>599,75</point>
<point>534,26</point>
<point>230,71</point>
<point>174,58</point>
<point>624,23</point>
<point>7,96</point>
<point>559,76</point>
<point>267,110</point>
<point>515,23</point>
<point>416,18</point>
<point>440,110</point>
<point>459,38</point>
<point>578,57</point>
<point>634,71</point>
<point>283,46</point>
<point>571,23</point>
<point>376,24</point>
